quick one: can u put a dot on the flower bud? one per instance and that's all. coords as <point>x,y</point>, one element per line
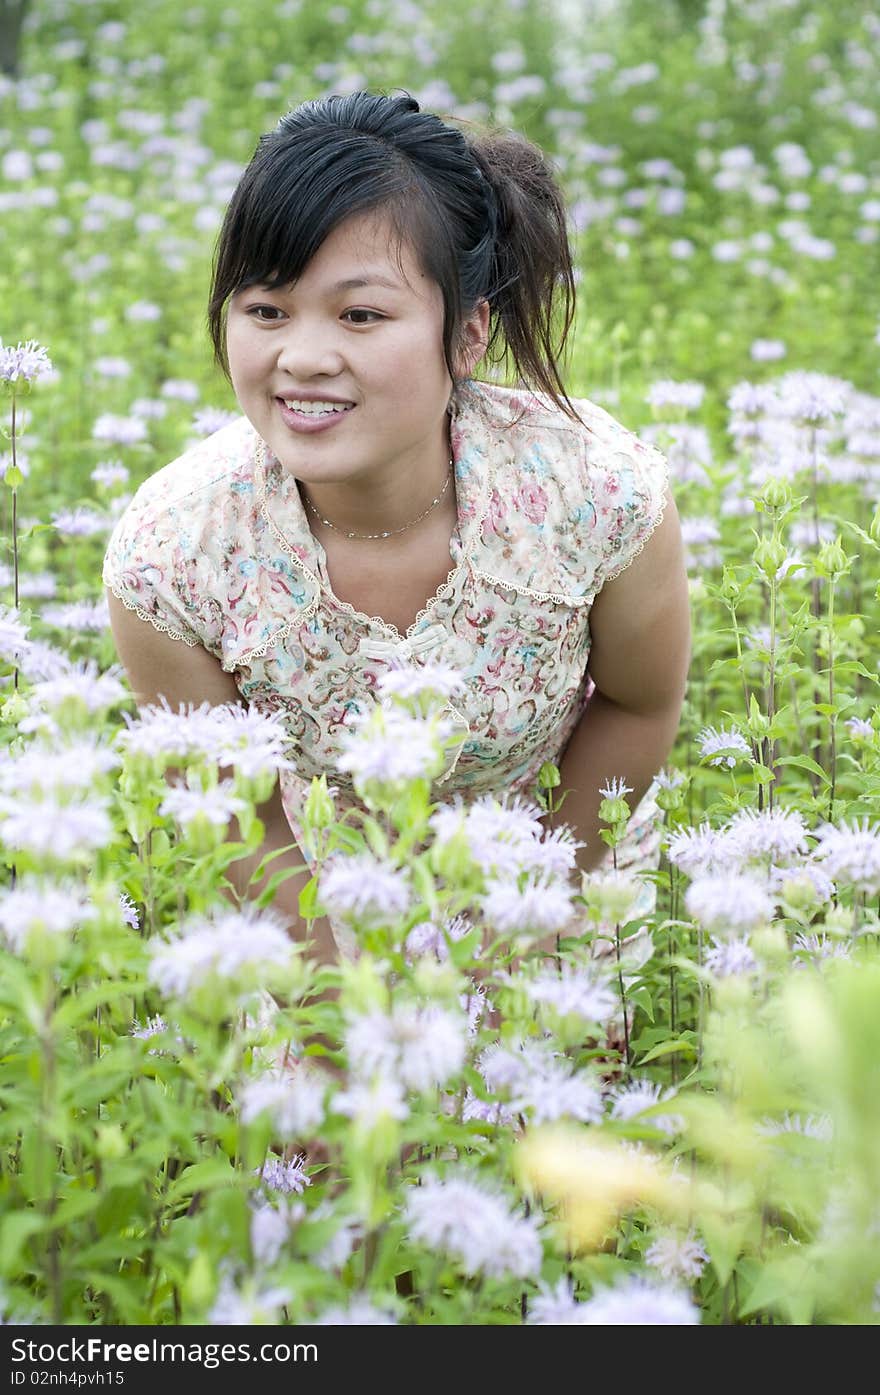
<point>14,709</point>
<point>140,771</point>
<point>614,810</point>
<point>670,787</point>
<point>453,860</point>
<point>770,554</point>
<point>734,994</point>
<point>254,789</point>
<point>832,561</point>
<point>363,987</point>
<point>110,1142</point>
<point>776,494</point>
<point>201,835</point>
<point>548,776</point>
<point>770,945</point>
<point>611,897</point>
<point>799,895</point>
<point>730,589</point>
<point>758,725</point>
<point>437,982</point>
<point>670,797</point>
<point>319,811</point>
<point>840,922</point>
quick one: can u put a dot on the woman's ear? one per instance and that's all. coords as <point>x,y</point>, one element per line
<point>473,340</point>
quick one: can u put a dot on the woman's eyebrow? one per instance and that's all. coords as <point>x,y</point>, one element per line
<point>356,283</point>
<point>349,283</point>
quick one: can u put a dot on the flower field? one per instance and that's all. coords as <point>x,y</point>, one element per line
<point>676,1117</point>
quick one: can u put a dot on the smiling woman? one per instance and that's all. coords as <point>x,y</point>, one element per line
<point>376,506</point>
<point>323,368</point>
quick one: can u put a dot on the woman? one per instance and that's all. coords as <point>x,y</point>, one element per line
<point>376,505</point>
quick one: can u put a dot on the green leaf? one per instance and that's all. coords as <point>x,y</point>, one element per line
<point>643,998</point>
<point>15,1231</point>
<point>74,1205</point>
<point>269,892</point>
<point>204,1176</point>
<point>424,884</point>
<point>82,1005</point>
<point>685,1044</point>
<point>308,899</point>
<point>805,763</point>
<point>129,1298</point>
<point>762,775</point>
<point>785,1286</point>
<point>109,1250</point>
<point>865,537</point>
<point>724,1241</point>
<point>160,846</point>
<point>855,667</point>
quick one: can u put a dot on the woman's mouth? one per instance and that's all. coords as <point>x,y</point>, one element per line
<point>310,416</point>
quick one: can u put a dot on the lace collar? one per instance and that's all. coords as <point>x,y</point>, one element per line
<point>518,486</point>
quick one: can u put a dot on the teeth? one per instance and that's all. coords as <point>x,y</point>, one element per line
<point>313,409</point>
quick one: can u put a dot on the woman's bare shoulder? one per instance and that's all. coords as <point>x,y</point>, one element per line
<point>159,665</point>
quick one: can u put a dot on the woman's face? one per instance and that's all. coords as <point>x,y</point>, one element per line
<point>343,374</point>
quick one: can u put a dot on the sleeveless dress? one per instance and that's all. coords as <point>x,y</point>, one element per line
<point>215,549</point>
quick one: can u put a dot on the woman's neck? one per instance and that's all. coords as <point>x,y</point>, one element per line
<point>385,504</point>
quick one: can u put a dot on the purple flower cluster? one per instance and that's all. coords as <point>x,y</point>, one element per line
<point>24,363</point>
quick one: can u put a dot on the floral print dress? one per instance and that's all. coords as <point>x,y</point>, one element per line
<point>215,549</point>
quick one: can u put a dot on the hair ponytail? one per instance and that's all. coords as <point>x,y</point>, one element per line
<point>531,290</point>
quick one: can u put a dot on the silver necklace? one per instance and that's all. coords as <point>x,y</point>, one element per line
<point>392,531</point>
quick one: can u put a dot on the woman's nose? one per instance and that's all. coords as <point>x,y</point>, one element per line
<point>307,351</point>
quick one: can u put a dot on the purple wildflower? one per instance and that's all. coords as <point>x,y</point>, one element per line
<point>677,1256</point>
<point>723,746</point>
<point>636,1302</point>
<point>285,1177</point>
<point>475,1226</point>
<point>730,958</point>
<point>851,854</point>
<point>24,363</point>
<point>364,888</point>
<point>729,902</point>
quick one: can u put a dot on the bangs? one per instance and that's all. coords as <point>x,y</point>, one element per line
<point>293,195</point>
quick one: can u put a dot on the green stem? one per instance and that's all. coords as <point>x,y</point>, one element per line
<point>14,516</point>
<point>832,753</point>
<point>673,1002</point>
<point>816,595</point>
<point>802,744</point>
<point>620,971</point>
<point>770,760</point>
<point>739,656</point>
<point>47,1177</point>
<point>701,999</point>
<point>15,582</point>
<point>622,994</point>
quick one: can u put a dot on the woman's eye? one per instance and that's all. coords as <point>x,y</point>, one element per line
<point>267,314</point>
<point>364,317</point>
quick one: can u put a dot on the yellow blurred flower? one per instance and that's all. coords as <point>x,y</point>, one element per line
<point>595,1180</point>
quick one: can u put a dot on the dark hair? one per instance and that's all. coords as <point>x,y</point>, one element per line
<point>483,213</point>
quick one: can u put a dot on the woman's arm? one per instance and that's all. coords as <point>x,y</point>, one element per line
<point>640,628</point>
<point>159,666</point>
